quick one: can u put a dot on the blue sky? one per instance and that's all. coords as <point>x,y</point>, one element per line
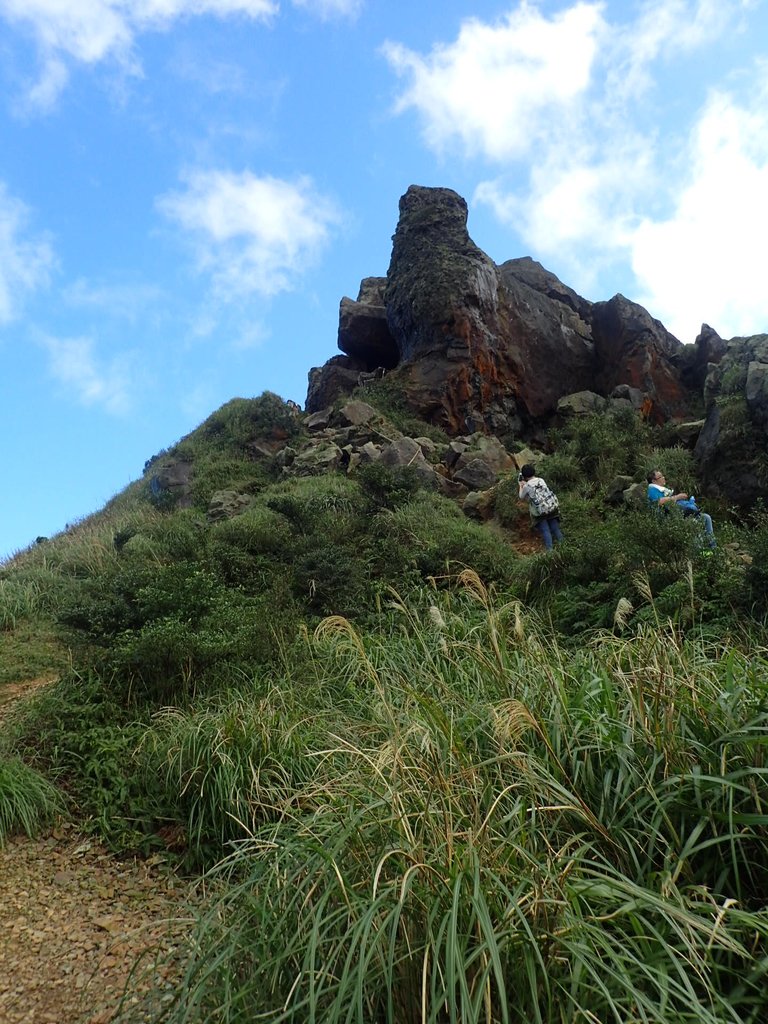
<point>189,187</point>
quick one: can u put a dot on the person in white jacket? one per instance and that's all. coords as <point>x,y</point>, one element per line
<point>543,505</point>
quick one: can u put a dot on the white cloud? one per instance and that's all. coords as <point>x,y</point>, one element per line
<point>251,336</point>
<point>706,261</point>
<point>571,189</point>
<point>498,87</point>
<point>253,235</point>
<point>73,362</point>
<point>25,262</point>
<point>331,8</point>
<point>662,30</point>
<point>125,301</point>
<point>90,31</point>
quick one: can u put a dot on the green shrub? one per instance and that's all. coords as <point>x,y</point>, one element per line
<point>177,535</point>
<point>80,732</point>
<point>249,551</point>
<point>678,467</point>
<point>507,507</point>
<point>325,505</point>
<point>387,486</point>
<point>431,536</point>
<point>107,606</point>
<point>259,530</point>
<point>601,446</point>
<point>243,420</point>
<point>333,578</point>
<point>218,473</point>
<point>563,471</point>
<point>170,658</point>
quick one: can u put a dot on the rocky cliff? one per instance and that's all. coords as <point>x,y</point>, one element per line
<point>476,346</point>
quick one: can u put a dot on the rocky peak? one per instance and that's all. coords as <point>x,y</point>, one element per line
<point>478,347</point>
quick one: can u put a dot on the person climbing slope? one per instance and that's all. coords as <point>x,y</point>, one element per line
<point>543,505</point>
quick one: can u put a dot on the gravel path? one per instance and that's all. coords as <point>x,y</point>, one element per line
<point>73,921</point>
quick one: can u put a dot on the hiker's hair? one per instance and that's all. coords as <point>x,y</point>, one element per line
<point>527,471</point>
<point>652,475</point>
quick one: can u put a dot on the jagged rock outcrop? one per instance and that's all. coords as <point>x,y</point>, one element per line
<point>509,349</point>
<point>339,376</point>
<point>696,360</point>
<point>476,346</point>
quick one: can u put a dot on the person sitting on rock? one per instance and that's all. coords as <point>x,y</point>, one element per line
<point>543,504</point>
<point>661,496</point>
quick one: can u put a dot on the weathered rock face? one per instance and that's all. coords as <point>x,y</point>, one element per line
<point>443,313</point>
<point>731,448</point>
<point>339,376</point>
<point>696,361</point>
<point>174,478</point>
<point>632,348</point>
<point>475,346</point>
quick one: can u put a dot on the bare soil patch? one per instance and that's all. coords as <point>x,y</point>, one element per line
<point>12,693</point>
<point>78,928</point>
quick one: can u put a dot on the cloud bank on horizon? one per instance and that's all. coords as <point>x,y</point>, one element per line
<point>191,184</point>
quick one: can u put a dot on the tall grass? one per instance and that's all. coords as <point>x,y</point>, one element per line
<point>28,801</point>
<point>227,767</point>
<point>496,829</point>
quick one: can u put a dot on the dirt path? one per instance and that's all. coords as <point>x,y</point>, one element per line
<point>12,693</point>
<point>73,921</point>
<point>78,926</point>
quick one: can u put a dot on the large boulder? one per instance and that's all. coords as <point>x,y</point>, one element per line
<point>337,377</point>
<point>172,479</point>
<point>322,456</point>
<point>356,414</point>
<point>227,504</point>
<point>581,403</point>
<point>405,451</point>
<point>475,474</point>
<point>363,330</point>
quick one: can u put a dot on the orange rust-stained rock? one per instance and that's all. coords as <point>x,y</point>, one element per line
<point>476,346</point>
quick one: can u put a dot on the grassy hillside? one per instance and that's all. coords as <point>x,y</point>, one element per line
<point>437,774</point>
